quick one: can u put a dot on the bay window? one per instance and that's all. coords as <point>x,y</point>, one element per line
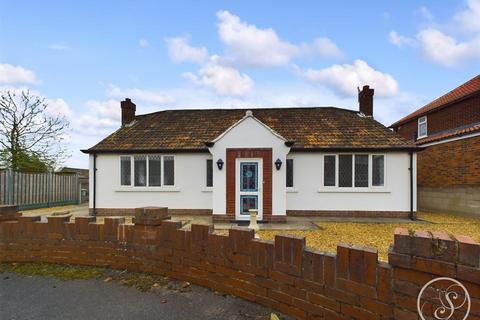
<point>147,171</point>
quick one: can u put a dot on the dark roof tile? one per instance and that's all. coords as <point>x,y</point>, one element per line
<point>310,128</point>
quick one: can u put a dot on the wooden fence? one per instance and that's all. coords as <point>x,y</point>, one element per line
<point>38,190</point>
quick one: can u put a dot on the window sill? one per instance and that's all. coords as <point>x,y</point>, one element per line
<point>353,190</point>
<point>292,190</point>
<point>207,189</point>
<point>148,189</point>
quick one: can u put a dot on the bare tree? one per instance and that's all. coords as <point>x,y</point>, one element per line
<point>29,134</point>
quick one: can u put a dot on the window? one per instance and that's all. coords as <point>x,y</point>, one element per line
<point>354,170</point>
<point>209,173</point>
<point>168,174</point>
<point>154,171</point>
<point>329,171</point>
<point>125,171</point>
<point>422,127</point>
<point>378,170</point>
<point>345,170</point>
<point>147,171</point>
<point>140,169</point>
<point>289,173</point>
<point>361,170</point>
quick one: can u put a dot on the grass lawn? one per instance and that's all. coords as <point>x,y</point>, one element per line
<point>379,235</point>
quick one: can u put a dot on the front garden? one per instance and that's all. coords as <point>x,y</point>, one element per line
<point>380,235</point>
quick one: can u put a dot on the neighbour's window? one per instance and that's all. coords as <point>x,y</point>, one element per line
<point>148,171</point>
<point>154,171</point>
<point>378,170</point>
<point>168,174</point>
<point>345,170</point>
<point>125,171</point>
<point>422,127</point>
<point>209,173</point>
<point>361,170</point>
<point>140,169</point>
<point>329,171</point>
<point>289,173</point>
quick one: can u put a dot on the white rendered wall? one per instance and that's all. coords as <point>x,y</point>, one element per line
<point>250,134</point>
<point>308,192</point>
<point>189,191</point>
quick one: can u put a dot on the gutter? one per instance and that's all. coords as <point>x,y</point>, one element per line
<point>287,143</point>
<point>94,184</point>
<point>412,214</point>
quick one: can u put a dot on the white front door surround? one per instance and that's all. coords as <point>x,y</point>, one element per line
<point>249,187</point>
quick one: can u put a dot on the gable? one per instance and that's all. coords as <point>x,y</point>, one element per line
<point>249,128</point>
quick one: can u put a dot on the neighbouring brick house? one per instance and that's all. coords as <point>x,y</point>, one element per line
<point>280,161</point>
<point>449,167</point>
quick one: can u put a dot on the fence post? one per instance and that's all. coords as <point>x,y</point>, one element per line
<point>49,187</point>
<point>9,187</point>
<point>79,189</point>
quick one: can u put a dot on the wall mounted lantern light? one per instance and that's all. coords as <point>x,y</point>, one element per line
<point>278,164</point>
<point>220,164</point>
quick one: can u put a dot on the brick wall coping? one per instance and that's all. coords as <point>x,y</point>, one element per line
<point>283,274</point>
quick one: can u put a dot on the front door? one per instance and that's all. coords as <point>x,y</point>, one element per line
<point>249,180</point>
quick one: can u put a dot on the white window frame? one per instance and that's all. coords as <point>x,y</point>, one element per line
<point>132,186</point>
<point>292,188</point>
<point>370,188</point>
<point>205,187</point>
<point>422,121</point>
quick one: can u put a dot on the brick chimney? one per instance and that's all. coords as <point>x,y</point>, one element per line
<point>128,111</point>
<point>365,101</point>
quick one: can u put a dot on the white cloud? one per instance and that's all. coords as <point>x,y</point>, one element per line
<point>446,50</point>
<point>325,47</point>
<point>344,79</point>
<point>399,40</point>
<point>144,96</point>
<point>15,74</point>
<point>441,44</point>
<point>469,19</point>
<point>58,46</point>
<point>252,46</point>
<point>59,107</point>
<point>181,51</point>
<point>143,43</point>
<point>222,79</point>
<point>424,12</point>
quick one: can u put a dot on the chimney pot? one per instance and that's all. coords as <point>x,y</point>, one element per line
<point>365,100</point>
<point>128,111</point>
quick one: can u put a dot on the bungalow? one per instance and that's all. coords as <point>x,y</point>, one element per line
<point>280,161</point>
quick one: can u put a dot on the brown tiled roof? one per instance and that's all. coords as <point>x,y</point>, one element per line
<point>471,128</point>
<point>309,128</point>
<point>470,87</point>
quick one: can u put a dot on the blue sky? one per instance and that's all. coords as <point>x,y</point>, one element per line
<point>86,56</point>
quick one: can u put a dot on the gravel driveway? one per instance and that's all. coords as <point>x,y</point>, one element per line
<point>38,297</point>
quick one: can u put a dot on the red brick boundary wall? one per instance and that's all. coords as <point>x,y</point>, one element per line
<point>281,274</point>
